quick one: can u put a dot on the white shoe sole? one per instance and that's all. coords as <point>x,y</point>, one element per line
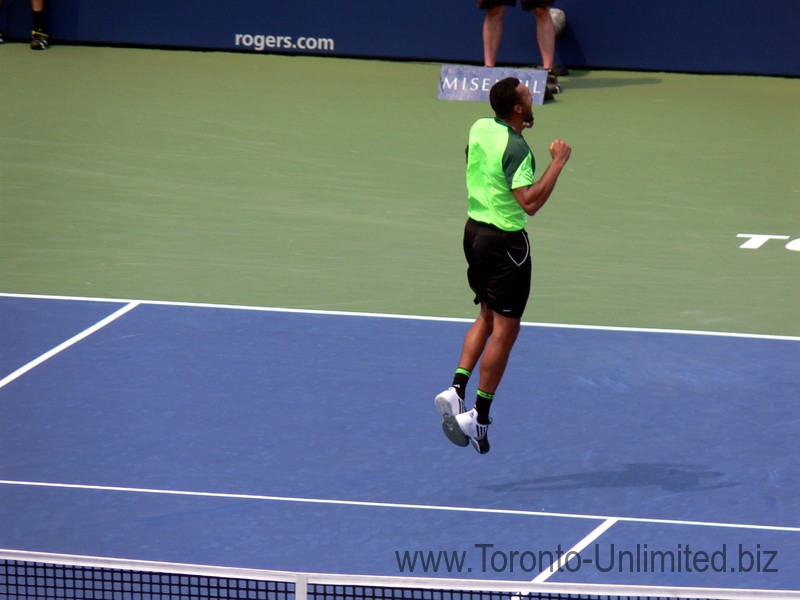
<point>453,431</point>
<point>443,405</point>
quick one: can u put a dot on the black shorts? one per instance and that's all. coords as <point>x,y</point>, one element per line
<point>526,4</point>
<point>499,269</point>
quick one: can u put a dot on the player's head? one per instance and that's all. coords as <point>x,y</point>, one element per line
<point>511,100</point>
<point>504,96</point>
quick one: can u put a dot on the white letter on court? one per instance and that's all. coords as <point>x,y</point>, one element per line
<point>757,239</point>
<point>794,245</point>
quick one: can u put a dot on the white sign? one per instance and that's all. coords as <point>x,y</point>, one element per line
<point>465,82</point>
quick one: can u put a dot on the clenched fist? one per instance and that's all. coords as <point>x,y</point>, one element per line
<point>560,150</point>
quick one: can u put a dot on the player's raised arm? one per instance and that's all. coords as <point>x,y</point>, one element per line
<point>532,197</point>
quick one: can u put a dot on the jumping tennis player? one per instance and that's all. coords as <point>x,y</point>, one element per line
<point>502,195</point>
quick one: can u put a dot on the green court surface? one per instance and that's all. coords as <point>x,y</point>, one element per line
<point>339,184</point>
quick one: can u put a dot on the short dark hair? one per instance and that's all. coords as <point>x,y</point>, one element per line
<point>504,97</point>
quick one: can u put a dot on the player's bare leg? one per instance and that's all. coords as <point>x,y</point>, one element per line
<point>450,402</point>
<point>475,423</point>
<point>498,348</point>
<point>475,339</point>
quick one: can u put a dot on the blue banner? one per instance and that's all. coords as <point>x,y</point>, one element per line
<point>713,36</point>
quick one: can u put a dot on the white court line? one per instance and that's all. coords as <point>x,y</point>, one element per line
<point>305,311</point>
<point>574,551</point>
<point>359,503</point>
<point>70,342</point>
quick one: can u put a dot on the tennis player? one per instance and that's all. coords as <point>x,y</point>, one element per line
<point>502,196</point>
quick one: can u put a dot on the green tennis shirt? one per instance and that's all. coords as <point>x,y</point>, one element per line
<point>498,161</point>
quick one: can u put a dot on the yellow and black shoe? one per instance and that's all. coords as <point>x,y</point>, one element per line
<point>552,82</point>
<point>39,40</point>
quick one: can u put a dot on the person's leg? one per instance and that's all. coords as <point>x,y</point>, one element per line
<point>498,349</point>
<point>451,400</point>
<point>509,287</point>
<point>475,423</point>
<point>492,34</point>
<point>545,35</point>
<point>503,285</point>
<point>39,39</point>
<point>492,336</point>
<point>476,338</point>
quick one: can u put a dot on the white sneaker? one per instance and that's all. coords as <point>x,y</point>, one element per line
<point>476,432</point>
<point>449,404</point>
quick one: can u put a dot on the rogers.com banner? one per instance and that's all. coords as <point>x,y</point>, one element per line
<point>266,42</point>
<point>465,82</point>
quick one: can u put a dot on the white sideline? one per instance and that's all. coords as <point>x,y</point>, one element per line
<point>306,311</point>
<point>574,551</point>
<point>368,504</point>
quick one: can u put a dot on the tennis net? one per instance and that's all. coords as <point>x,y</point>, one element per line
<point>34,576</point>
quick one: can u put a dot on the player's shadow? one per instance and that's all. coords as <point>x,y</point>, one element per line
<point>668,477</point>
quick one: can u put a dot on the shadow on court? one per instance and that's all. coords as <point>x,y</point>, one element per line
<point>669,477</point>
<point>578,80</point>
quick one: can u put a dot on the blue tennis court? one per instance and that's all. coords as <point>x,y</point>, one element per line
<point>307,441</point>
